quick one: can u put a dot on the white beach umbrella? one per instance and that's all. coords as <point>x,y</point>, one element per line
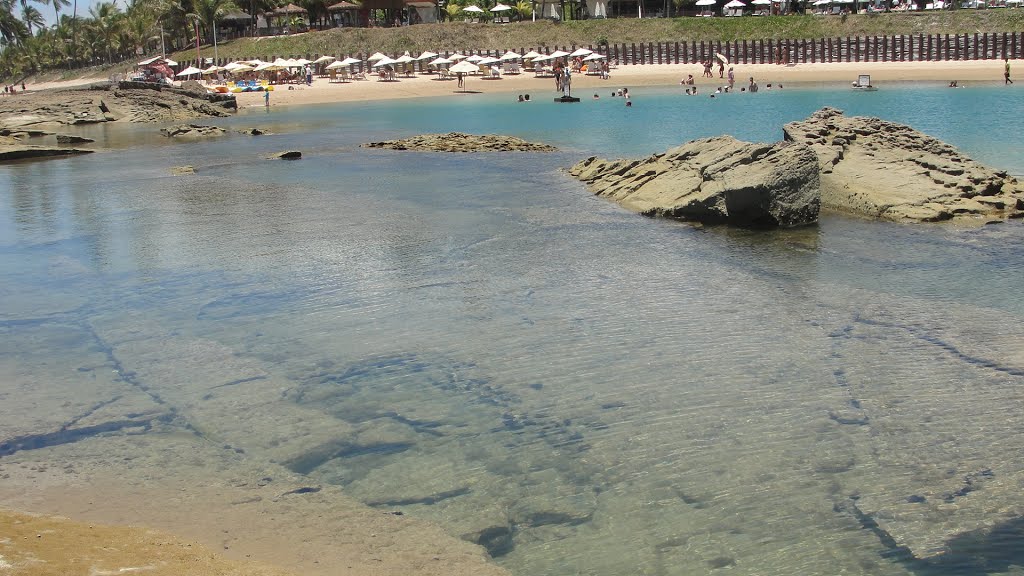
<point>212,70</point>
<point>383,62</point>
<point>822,2</point>
<point>269,66</point>
<point>403,59</point>
<point>594,56</point>
<point>456,57</point>
<point>500,8</point>
<point>762,2</point>
<point>350,61</point>
<point>705,2</point>
<point>234,65</point>
<point>489,60</point>
<point>559,54</point>
<point>334,65</point>
<point>510,55</point>
<point>472,8</point>
<point>427,55</point>
<point>302,62</point>
<point>189,71</point>
<point>323,59</point>
<point>474,58</point>
<point>464,67</point>
<point>376,56</point>
<point>736,4</point>
<point>532,54</point>
<point>580,52</point>
<point>240,69</point>
<point>543,58</point>
<point>440,62</point>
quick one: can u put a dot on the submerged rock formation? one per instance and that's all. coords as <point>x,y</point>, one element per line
<point>459,142</point>
<point>714,180</point>
<point>191,131</point>
<point>890,171</point>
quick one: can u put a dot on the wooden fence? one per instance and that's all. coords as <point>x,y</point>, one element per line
<point>914,48</point>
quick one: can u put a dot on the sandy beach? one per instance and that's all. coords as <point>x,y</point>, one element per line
<point>424,85</point>
<point>941,73</point>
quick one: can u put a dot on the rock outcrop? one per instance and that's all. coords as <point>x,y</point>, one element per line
<point>459,142</point>
<point>890,171</point>
<point>191,131</point>
<point>715,180</point>
<point>286,155</point>
<point>105,102</point>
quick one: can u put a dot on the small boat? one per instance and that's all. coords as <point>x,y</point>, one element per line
<point>863,83</point>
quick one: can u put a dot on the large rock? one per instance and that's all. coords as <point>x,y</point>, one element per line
<point>191,131</point>
<point>715,180</point>
<point>890,171</point>
<point>459,142</point>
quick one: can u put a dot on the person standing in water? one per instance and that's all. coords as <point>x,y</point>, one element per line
<point>266,98</point>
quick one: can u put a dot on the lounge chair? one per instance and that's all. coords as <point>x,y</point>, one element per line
<point>511,68</point>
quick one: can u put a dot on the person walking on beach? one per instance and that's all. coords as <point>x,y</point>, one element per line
<point>1006,73</point>
<point>721,69</point>
<point>462,80</point>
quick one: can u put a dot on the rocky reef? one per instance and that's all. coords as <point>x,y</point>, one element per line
<point>459,142</point>
<point>715,180</point>
<point>106,102</point>
<point>890,171</point>
<point>856,165</point>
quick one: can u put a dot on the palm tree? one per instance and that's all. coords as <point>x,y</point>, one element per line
<point>31,16</point>
<point>523,9</point>
<point>57,5</point>
<point>12,30</point>
<point>106,18</point>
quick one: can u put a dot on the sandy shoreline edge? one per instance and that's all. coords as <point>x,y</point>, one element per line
<point>632,76</point>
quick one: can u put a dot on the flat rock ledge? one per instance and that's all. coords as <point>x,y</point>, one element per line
<point>191,131</point>
<point>718,180</point>
<point>890,171</point>
<point>459,142</point>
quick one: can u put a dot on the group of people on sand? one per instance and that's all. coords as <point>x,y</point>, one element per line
<point>13,89</point>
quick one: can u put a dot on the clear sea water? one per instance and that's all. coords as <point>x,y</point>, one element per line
<point>580,389</point>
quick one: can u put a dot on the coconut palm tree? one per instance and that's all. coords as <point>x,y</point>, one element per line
<point>31,16</point>
<point>12,30</point>
<point>106,19</point>
<point>57,5</point>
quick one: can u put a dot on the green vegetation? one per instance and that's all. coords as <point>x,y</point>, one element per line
<point>458,35</point>
<point>109,36</point>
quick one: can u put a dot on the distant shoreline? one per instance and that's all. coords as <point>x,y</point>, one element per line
<point>322,91</point>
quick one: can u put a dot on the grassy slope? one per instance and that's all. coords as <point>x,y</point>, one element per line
<point>461,36</point>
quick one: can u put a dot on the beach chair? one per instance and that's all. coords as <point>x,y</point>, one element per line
<point>343,75</point>
<point>485,69</point>
<point>511,68</point>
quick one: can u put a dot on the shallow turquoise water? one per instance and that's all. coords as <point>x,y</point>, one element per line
<point>581,389</point>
